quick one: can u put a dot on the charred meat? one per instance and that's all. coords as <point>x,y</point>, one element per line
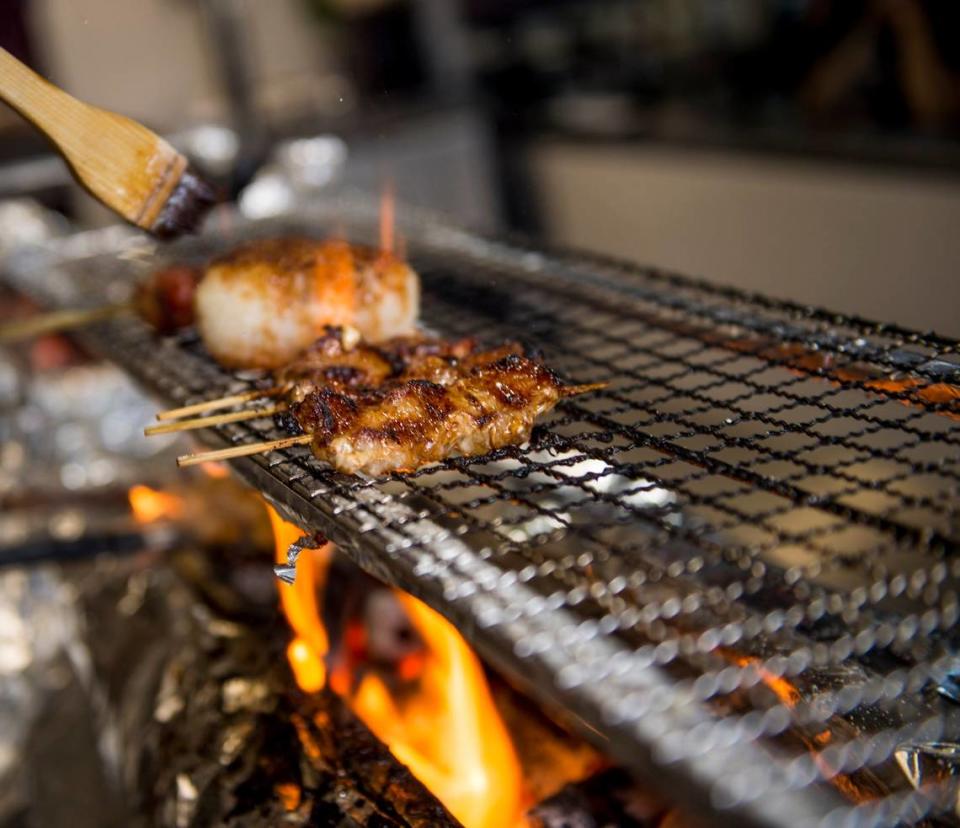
<point>484,404</point>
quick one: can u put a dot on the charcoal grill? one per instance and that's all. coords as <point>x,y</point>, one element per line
<point>734,568</point>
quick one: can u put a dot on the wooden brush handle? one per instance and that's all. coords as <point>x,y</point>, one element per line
<point>122,163</point>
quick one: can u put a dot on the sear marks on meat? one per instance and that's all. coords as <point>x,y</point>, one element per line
<point>436,407</point>
<point>338,360</point>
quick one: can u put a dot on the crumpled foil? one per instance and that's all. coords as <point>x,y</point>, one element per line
<point>43,661</point>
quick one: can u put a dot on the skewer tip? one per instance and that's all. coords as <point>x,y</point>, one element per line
<point>575,390</point>
<point>242,451</point>
<point>169,426</point>
<point>221,402</point>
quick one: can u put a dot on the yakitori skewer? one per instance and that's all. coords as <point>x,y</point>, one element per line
<point>261,304</point>
<point>222,402</point>
<point>479,439</point>
<point>55,321</point>
<point>242,451</point>
<point>406,404</point>
<point>340,358</point>
<point>164,300</point>
<point>215,420</point>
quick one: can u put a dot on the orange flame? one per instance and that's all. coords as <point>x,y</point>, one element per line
<point>226,221</point>
<point>299,601</point>
<point>782,688</point>
<point>387,217</point>
<point>290,795</point>
<point>335,284</point>
<point>787,693</point>
<point>149,505</point>
<point>448,733</point>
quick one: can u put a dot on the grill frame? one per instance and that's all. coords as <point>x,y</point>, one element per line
<point>397,532</point>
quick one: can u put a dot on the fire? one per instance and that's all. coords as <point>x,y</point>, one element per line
<point>781,687</point>
<point>335,285</point>
<point>449,734</point>
<point>387,217</point>
<point>447,730</point>
<point>149,505</point>
<point>310,644</point>
<point>787,693</point>
<point>289,794</point>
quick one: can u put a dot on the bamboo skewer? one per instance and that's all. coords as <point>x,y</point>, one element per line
<point>276,391</point>
<point>305,439</point>
<point>221,402</point>
<point>270,445</point>
<point>242,451</point>
<point>216,419</point>
<point>61,320</point>
<point>574,390</point>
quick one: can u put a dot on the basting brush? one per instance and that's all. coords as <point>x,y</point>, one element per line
<point>121,163</point>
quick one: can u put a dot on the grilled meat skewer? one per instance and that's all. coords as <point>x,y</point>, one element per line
<point>340,359</point>
<point>165,298</point>
<point>411,423</point>
<point>337,360</point>
<point>406,403</point>
<point>261,304</point>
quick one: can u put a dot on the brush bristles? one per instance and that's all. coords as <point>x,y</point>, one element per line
<point>183,212</point>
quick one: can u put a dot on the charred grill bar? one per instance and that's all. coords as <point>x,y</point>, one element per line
<point>736,565</point>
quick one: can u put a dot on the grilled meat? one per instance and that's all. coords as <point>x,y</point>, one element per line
<point>264,302</point>
<point>338,360</point>
<point>489,402</point>
<point>400,405</point>
<point>165,298</point>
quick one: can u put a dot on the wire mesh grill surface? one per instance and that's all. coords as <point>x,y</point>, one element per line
<point>735,566</point>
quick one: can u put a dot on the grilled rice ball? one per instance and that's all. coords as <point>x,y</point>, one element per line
<point>263,303</point>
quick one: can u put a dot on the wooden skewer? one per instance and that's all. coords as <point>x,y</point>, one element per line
<point>61,320</point>
<point>221,402</point>
<point>216,419</point>
<point>242,451</point>
<point>573,390</point>
<point>130,169</point>
<point>305,439</point>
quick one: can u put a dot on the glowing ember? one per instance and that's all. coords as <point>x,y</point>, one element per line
<point>781,687</point>
<point>289,794</point>
<point>787,693</point>
<point>446,729</point>
<point>150,505</point>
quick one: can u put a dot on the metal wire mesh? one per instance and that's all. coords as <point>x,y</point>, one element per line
<point>735,566</point>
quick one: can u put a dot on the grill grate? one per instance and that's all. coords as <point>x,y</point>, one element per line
<point>735,567</point>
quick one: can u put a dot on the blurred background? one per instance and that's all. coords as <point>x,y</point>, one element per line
<point>807,149</point>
